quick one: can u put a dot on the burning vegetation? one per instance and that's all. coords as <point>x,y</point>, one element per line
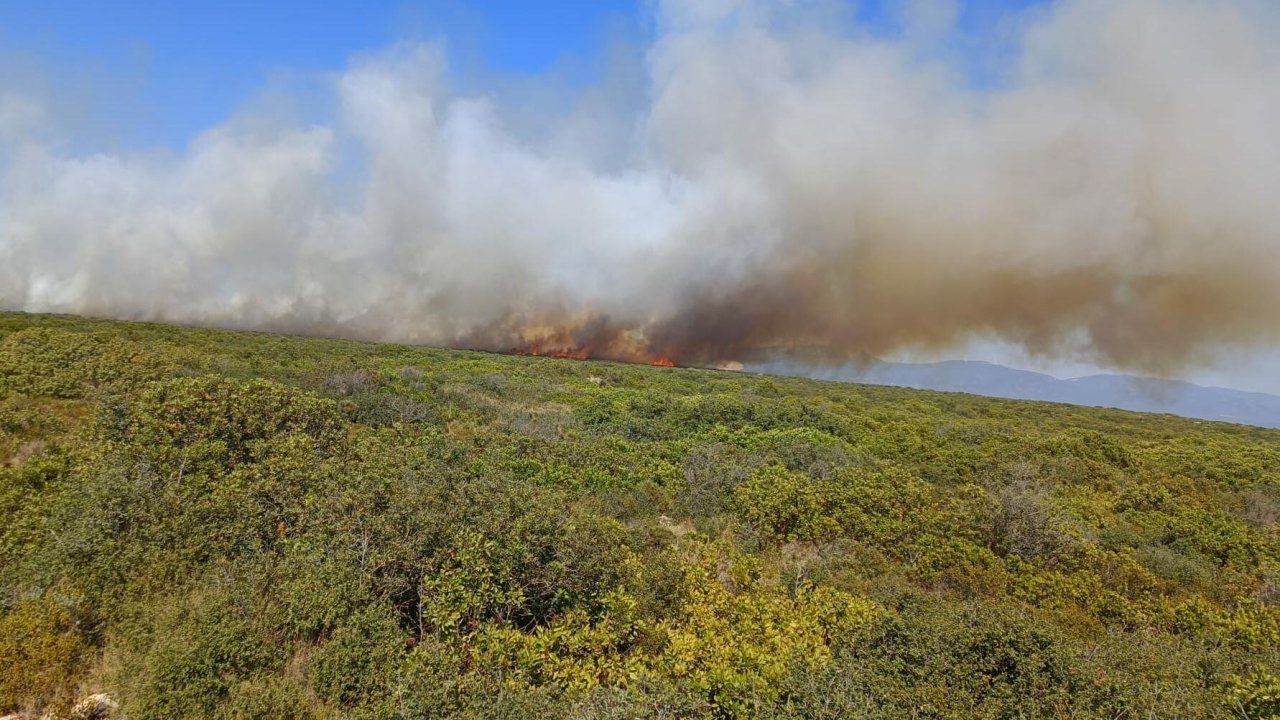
<point>588,338</point>
<point>588,353</point>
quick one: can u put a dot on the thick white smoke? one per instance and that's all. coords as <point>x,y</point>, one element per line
<point>789,181</point>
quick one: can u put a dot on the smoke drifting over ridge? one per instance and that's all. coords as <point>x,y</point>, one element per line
<point>784,184</point>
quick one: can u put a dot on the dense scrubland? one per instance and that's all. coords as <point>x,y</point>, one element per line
<point>210,524</point>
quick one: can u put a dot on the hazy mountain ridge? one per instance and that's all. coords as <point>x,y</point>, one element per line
<point>1125,392</point>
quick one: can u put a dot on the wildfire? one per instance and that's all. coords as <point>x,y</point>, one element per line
<point>586,354</point>
<point>536,351</point>
<point>592,337</point>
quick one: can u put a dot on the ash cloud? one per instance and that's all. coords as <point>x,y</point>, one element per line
<point>789,180</point>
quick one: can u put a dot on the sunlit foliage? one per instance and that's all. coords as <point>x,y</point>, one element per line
<point>209,524</point>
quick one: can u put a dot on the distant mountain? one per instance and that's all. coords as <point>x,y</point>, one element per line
<point>1126,392</point>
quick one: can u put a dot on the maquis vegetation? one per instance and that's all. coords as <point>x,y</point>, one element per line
<point>225,525</point>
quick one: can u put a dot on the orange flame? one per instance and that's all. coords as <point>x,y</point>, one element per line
<point>589,337</point>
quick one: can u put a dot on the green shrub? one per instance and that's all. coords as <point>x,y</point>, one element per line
<point>785,504</point>
<point>61,364</point>
<point>212,412</point>
<point>1256,697</point>
<point>359,663</point>
<point>266,696</point>
<point>186,653</point>
<point>300,527</point>
<point>42,654</point>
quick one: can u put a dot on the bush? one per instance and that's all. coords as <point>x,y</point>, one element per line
<point>737,645</point>
<point>60,364</point>
<point>194,470</point>
<point>1255,697</point>
<point>360,661</point>
<point>188,652</point>
<point>308,529</point>
<point>211,412</point>
<point>785,504</point>
<point>41,656</point>
<point>266,696</point>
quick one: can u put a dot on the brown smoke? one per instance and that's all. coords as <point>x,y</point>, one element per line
<point>1158,324</point>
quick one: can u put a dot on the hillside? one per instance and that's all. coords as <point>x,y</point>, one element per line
<point>1126,392</point>
<point>210,524</point>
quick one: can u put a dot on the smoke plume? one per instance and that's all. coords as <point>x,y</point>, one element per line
<point>788,180</point>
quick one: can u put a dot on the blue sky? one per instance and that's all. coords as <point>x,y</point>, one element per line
<point>157,73</point>
<point>187,65</point>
